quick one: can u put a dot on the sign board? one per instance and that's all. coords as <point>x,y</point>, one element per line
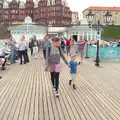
<point>99,37</point>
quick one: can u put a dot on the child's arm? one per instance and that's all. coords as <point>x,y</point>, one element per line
<point>77,63</point>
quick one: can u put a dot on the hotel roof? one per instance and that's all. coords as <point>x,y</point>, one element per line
<point>103,8</point>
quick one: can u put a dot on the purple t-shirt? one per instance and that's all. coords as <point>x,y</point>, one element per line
<point>81,44</point>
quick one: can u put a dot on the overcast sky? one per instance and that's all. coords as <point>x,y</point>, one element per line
<point>80,5</point>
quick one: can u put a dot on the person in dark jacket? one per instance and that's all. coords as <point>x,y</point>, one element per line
<point>31,45</point>
<point>118,45</point>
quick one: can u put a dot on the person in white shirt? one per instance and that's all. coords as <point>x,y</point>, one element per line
<point>22,49</point>
<point>35,47</point>
<point>26,51</point>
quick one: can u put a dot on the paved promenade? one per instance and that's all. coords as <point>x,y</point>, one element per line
<point>26,94</point>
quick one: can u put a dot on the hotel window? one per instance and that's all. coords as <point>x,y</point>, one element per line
<point>14,16</point>
<point>6,16</point>
<point>12,11</point>
<point>5,12</point>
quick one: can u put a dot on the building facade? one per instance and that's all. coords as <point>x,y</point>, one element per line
<point>75,18</point>
<point>82,30</point>
<point>101,11</point>
<point>44,12</point>
<point>28,29</point>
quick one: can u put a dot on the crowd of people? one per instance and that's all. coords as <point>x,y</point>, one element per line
<point>105,43</point>
<point>11,51</point>
<point>52,48</point>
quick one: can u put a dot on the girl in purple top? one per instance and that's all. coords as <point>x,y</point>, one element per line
<point>53,62</point>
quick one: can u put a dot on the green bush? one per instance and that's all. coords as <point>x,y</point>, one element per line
<point>111,32</point>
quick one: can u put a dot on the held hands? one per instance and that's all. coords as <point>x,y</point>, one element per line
<point>46,69</point>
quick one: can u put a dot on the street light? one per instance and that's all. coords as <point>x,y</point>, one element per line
<point>107,20</point>
<point>90,18</point>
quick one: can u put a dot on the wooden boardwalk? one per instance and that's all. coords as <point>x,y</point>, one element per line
<point>26,93</point>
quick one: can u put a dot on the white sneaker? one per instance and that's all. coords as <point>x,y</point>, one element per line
<point>57,95</point>
<point>53,88</point>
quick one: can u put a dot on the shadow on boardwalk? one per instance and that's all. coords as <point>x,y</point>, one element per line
<point>26,94</point>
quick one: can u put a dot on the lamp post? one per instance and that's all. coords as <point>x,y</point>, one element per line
<point>90,18</point>
<point>107,20</point>
<point>85,38</point>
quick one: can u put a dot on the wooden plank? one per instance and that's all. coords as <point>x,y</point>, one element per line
<point>41,111</point>
<point>67,103</point>
<point>101,110</point>
<point>107,103</point>
<point>36,111</point>
<point>27,94</point>
<point>12,111</point>
<point>9,97</point>
<point>23,94</point>
<point>53,103</point>
<point>71,93</point>
<point>45,104</point>
<point>22,101</point>
<point>50,109</point>
<point>5,88</point>
<point>32,97</point>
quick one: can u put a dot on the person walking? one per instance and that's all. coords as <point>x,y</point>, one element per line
<point>68,42</point>
<point>22,50</point>
<point>31,45</point>
<point>53,62</point>
<point>81,46</point>
<point>73,69</point>
<point>26,51</point>
<point>46,44</point>
<point>11,44</point>
<point>73,47</point>
<point>35,47</point>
